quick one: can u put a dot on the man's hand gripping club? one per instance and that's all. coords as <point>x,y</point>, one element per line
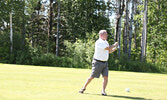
<point>112,48</point>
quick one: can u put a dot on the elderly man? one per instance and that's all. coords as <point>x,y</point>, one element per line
<point>99,63</point>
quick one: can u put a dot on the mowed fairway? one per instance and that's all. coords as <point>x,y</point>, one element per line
<point>20,82</point>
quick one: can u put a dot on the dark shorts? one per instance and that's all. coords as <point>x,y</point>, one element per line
<point>99,68</point>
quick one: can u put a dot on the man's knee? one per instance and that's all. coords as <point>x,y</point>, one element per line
<point>90,78</point>
<point>105,77</point>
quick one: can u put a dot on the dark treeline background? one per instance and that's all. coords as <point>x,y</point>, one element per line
<point>63,32</point>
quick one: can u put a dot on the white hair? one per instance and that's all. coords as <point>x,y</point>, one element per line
<point>101,32</point>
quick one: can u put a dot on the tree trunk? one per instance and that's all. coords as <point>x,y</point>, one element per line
<point>32,36</point>
<point>155,43</point>
<point>135,23</point>
<point>58,30</point>
<point>38,28</point>
<point>23,28</point>
<point>125,40</point>
<point>118,24</point>
<point>144,33</point>
<point>135,35</point>
<point>131,29</point>
<point>23,32</point>
<point>50,24</point>
<point>11,34</point>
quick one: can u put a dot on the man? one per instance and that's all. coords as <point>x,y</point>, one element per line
<point>99,63</point>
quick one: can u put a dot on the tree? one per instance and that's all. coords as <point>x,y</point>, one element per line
<point>58,30</point>
<point>37,24</point>
<point>11,34</point>
<point>118,22</point>
<point>80,17</point>
<point>156,52</point>
<point>50,24</point>
<point>136,12</point>
<point>126,30</point>
<point>144,33</point>
<point>131,28</point>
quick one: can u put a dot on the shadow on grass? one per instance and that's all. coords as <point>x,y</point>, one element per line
<point>128,97</point>
<point>118,96</point>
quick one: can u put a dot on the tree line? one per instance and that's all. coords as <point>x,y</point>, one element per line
<point>46,32</point>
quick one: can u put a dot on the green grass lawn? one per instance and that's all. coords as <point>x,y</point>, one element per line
<point>20,82</point>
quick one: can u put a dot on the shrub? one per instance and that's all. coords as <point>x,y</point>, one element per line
<point>81,52</point>
<point>44,60</point>
<point>51,60</point>
<point>63,62</point>
<point>77,53</point>
<point>25,56</point>
<point>4,48</point>
<point>123,64</point>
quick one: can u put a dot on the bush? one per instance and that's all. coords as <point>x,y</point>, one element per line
<point>139,66</point>
<point>4,48</point>
<point>123,64</point>
<point>81,52</point>
<point>78,55</point>
<point>51,60</point>
<point>63,62</point>
<point>44,60</point>
<point>25,56</point>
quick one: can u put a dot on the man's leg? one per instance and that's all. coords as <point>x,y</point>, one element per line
<point>85,85</point>
<point>87,82</point>
<point>105,81</point>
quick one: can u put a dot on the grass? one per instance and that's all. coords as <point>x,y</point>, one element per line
<point>20,82</point>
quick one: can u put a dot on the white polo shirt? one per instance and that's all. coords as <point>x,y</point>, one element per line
<point>100,53</point>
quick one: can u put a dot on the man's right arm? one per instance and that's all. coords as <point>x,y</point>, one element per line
<point>112,50</point>
<point>111,46</point>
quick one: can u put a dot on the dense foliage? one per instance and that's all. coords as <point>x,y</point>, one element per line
<point>35,37</point>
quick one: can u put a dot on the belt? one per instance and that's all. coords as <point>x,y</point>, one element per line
<point>100,61</point>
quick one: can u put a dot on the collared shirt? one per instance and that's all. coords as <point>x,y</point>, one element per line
<point>100,52</point>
